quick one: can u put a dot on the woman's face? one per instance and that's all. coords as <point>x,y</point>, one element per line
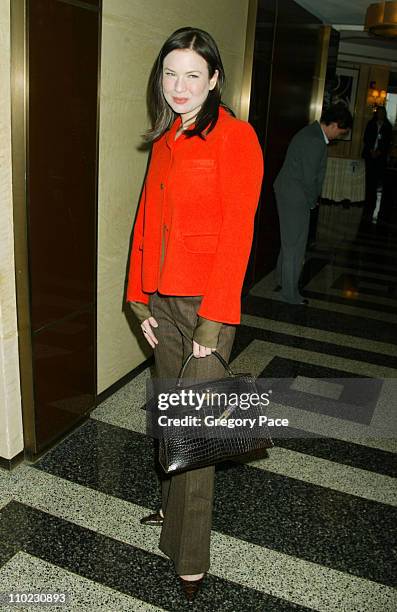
<point>186,82</point>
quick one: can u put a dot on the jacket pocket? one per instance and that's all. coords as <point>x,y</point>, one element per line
<point>141,245</point>
<point>198,164</point>
<point>200,243</point>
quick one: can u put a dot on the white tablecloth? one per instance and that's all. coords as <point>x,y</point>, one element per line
<point>344,180</point>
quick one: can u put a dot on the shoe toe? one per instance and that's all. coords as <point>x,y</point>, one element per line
<point>190,588</point>
<point>152,519</point>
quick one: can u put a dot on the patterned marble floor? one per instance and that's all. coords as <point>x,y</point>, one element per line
<point>311,527</point>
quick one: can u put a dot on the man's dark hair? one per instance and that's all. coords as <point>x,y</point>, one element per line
<point>339,114</point>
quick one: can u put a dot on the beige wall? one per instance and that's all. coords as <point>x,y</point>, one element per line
<point>11,437</point>
<point>133,32</point>
<point>362,113</point>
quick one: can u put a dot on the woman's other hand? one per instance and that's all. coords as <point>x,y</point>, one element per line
<point>147,328</point>
<point>201,351</point>
<point>144,316</point>
<point>205,336</point>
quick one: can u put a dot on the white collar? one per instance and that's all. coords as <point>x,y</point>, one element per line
<point>324,134</point>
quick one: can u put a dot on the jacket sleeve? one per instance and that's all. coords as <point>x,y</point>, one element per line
<point>385,141</point>
<point>134,286</point>
<point>368,140</point>
<point>240,165</point>
<point>312,157</point>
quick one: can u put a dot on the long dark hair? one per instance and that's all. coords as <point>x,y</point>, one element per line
<point>161,114</point>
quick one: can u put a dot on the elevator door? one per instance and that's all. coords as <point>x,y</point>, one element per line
<point>63,59</point>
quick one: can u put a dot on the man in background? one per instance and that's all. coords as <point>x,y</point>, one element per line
<point>298,187</point>
<point>377,140</point>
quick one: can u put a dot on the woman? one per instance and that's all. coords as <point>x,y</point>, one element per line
<point>191,244</point>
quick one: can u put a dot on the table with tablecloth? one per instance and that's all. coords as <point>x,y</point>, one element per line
<point>342,201</point>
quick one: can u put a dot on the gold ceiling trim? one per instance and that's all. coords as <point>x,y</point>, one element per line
<point>381,19</point>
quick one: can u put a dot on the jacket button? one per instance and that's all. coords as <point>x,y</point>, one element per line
<point>162,185</point>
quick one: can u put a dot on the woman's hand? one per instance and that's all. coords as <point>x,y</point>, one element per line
<point>201,351</point>
<point>148,332</point>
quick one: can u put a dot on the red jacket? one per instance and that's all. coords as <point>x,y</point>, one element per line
<point>200,198</point>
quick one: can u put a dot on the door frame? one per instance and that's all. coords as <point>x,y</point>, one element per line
<point>19,142</point>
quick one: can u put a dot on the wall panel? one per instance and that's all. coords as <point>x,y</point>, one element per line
<point>288,82</point>
<point>362,113</point>
<point>133,32</point>
<point>11,438</point>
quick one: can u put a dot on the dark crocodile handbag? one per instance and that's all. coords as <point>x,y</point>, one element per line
<point>203,443</point>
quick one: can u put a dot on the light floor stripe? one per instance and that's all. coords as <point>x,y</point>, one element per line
<point>329,474</point>
<point>307,468</point>
<point>266,570</point>
<point>7,484</point>
<point>27,573</point>
<point>312,333</point>
<point>265,351</point>
<point>123,408</point>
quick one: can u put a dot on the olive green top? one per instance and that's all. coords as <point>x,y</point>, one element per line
<point>206,332</point>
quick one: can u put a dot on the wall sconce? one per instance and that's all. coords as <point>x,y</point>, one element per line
<point>375,96</point>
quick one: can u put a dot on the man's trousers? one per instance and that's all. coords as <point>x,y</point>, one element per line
<point>294,229</point>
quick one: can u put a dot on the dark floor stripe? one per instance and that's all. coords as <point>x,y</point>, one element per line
<point>349,283</point>
<point>338,530</point>
<point>246,334</point>
<point>361,255</point>
<point>346,301</point>
<point>6,553</point>
<point>324,526</point>
<point>346,262</point>
<point>386,292</point>
<point>357,400</point>
<point>347,453</point>
<point>282,367</point>
<point>381,242</point>
<point>358,279</point>
<point>327,320</point>
<point>122,567</point>
<point>312,268</point>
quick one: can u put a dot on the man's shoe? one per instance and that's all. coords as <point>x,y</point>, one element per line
<point>305,302</point>
<point>191,587</point>
<point>152,519</point>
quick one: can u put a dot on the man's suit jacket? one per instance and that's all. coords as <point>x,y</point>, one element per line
<point>300,180</point>
<point>370,136</point>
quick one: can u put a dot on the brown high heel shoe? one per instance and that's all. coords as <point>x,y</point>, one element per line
<point>191,587</point>
<point>152,519</point>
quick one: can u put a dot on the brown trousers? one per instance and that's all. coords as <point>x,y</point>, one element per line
<point>187,498</point>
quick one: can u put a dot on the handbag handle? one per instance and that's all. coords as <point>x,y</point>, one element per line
<point>190,357</point>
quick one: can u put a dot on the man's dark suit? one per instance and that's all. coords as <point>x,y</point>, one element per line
<point>375,164</point>
<point>298,187</point>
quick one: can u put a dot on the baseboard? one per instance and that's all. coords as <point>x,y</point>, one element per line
<point>10,464</point>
